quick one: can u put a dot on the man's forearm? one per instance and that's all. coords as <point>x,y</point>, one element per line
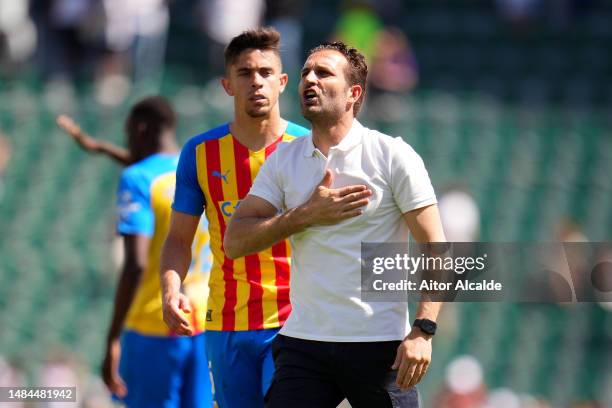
<point>115,152</point>
<point>175,260</point>
<point>428,309</point>
<point>249,235</point>
<point>126,288</point>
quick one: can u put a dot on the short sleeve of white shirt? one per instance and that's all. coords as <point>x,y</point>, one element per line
<point>267,183</point>
<point>410,181</point>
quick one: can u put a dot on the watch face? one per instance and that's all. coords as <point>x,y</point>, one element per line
<point>428,327</point>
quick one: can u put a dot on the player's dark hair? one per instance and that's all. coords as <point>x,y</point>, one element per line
<point>264,39</point>
<point>145,125</point>
<point>357,72</point>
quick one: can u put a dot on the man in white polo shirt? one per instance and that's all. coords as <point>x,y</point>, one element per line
<point>329,192</point>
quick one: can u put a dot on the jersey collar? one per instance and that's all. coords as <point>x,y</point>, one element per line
<point>353,138</point>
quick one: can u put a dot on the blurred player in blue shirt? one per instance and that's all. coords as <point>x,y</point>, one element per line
<point>151,366</point>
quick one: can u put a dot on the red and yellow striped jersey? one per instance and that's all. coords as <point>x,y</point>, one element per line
<point>214,173</point>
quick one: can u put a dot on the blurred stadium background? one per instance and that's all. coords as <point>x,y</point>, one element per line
<point>509,102</point>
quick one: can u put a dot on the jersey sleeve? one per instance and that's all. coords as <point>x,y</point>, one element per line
<point>410,181</point>
<point>188,195</point>
<point>267,183</point>
<point>134,206</point>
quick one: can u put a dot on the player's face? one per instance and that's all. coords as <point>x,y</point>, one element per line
<point>255,81</point>
<point>325,93</point>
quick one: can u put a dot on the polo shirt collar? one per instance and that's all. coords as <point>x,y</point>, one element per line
<point>352,139</point>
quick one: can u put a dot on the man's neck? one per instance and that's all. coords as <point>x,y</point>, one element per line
<point>328,135</point>
<point>168,146</point>
<point>257,133</point>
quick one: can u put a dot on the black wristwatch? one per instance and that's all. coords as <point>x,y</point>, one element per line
<point>427,326</point>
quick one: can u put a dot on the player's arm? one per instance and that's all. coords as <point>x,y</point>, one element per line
<point>136,250</point>
<point>136,224</point>
<point>414,354</point>
<point>90,144</point>
<point>257,225</point>
<point>175,261</point>
<point>189,202</point>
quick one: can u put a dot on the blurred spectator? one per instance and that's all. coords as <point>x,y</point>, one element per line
<point>10,376</point>
<point>5,156</point>
<point>568,231</point>
<point>224,19</point>
<point>359,26</point>
<point>601,278</point>
<point>138,29</point>
<point>60,370</point>
<point>285,15</point>
<point>66,32</point>
<point>503,398</point>
<point>568,270</point>
<point>17,32</point>
<point>464,386</point>
<point>95,394</point>
<point>460,216</point>
<point>394,67</point>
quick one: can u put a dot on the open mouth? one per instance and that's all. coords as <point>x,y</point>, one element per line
<point>309,96</point>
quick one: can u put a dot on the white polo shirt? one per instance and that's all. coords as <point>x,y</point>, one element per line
<point>326,260</point>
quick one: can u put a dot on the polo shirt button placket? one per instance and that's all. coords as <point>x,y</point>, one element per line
<point>328,161</point>
<point>322,161</point>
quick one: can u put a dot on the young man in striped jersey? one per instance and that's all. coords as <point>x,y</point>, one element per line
<point>249,297</point>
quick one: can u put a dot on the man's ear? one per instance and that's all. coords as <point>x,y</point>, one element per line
<point>284,79</point>
<point>355,93</point>
<point>226,84</point>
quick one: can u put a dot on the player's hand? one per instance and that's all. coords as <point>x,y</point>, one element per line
<point>412,359</point>
<point>329,205</point>
<point>110,369</point>
<point>68,125</point>
<point>172,306</point>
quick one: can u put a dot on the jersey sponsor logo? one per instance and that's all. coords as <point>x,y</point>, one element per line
<point>228,207</point>
<point>222,176</point>
<point>126,206</point>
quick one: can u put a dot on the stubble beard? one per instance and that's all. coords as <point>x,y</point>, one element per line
<point>320,116</point>
<point>258,113</point>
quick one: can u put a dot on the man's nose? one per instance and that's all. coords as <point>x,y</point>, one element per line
<point>310,77</point>
<point>256,80</point>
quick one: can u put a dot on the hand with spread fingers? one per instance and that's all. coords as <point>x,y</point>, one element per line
<point>329,206</point>
<point>412,359</point>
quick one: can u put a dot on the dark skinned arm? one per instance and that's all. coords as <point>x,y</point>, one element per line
<point>136,251</point>
<point>90,144</point>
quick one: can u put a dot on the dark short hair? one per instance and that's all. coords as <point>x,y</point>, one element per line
<point>147,121</point>
<point>264,39</point>
<point>357,72</point>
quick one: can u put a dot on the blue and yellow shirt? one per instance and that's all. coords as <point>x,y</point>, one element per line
<point>144,201</point>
